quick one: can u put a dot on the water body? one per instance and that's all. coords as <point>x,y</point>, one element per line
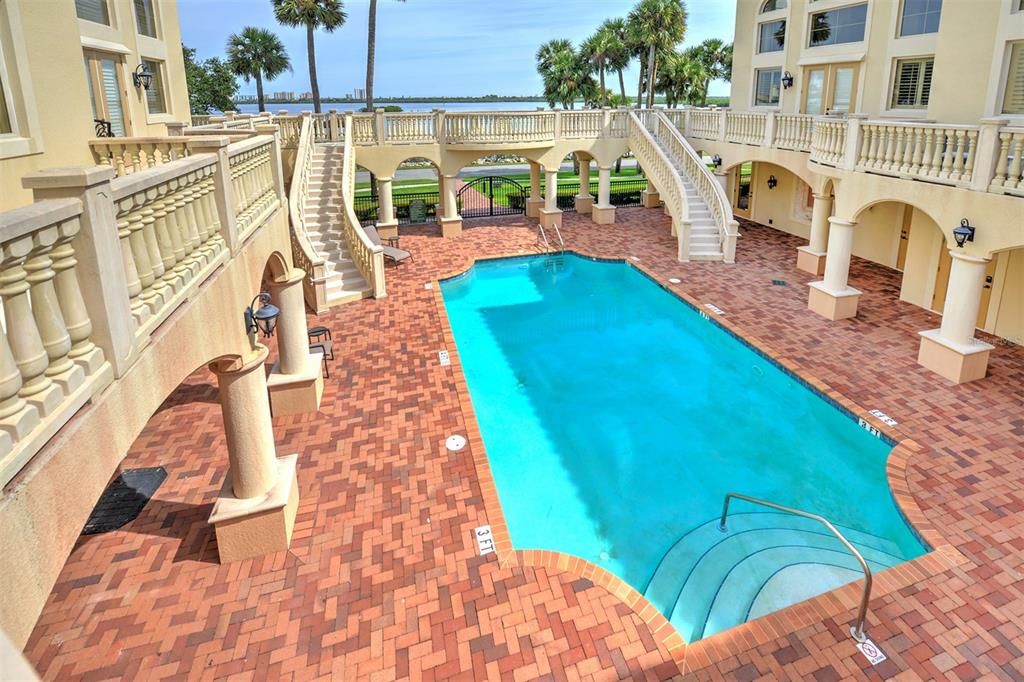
<point>406,106</point>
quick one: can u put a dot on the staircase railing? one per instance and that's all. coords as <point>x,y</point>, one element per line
<point>304,253</point>
<point>367,256</point>
<point>659,169</point>
<point>709,189</point>
<point>857,629</point>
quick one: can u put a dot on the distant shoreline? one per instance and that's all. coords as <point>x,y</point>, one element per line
<point>718,100</point>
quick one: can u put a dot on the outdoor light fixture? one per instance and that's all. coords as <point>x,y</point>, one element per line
<point>717,160</point>
<point>964,233</point>
<point>141,77</point>
<point>772,182</point>
<point>787,80</point>
<point>263,318</point>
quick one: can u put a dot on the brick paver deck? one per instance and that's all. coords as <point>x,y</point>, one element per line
<point>383,579</point>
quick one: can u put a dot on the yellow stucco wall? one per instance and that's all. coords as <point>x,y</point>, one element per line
<point>43,43</point>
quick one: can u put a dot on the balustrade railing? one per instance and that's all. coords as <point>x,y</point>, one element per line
<point>705,124</point>
<point>363,131</point>
<point>582,123</point>
<point>289,127</point>
<point>466,128</point>
<point>828,142</point>
<point>128,155</point>
<point>657,166</point>
<point>367,256</point>
<point>200,119</point>
<point>936,153</point>
<point>793,131</point>
<point>304,254</point>
<point>49,363</point>
<point>744,128</point>
<point>1008,177</point>
<point>410,128</point>
<point>252,182</point>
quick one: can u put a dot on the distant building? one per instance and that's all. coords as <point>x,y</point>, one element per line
<point>306,95</point>
<point>284,95</point>
<point>359,93</point>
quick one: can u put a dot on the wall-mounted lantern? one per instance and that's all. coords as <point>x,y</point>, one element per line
<point>772,182</point>
<point>787,80</point>
<point>262,318</point>
<point>716,161</point>
<point>141,77</point>
<point>964,233</point>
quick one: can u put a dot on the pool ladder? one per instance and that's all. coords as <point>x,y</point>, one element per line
<point>857,629</point>
<point>543,236</point>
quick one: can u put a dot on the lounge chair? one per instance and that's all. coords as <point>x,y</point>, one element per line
<point>391,250</point>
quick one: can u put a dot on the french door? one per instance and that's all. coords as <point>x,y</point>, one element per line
<point>830,88</point>
<point>107,91</point>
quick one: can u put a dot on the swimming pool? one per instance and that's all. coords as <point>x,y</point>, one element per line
<point>616,418</point>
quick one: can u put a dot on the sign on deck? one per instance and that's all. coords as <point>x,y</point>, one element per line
<point>417,211</point>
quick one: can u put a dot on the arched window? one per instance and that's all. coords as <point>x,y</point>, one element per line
<point>772,5</point>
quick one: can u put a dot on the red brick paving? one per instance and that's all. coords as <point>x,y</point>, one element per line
<point>382,580</point>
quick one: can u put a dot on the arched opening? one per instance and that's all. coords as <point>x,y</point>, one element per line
<point>415,194</point>
<point>770,195</point>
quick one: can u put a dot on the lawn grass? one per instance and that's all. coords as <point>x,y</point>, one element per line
<point>427,185</point>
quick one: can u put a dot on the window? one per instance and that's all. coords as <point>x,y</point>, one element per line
<point>145,20</point>
<point>912,83</point>
<point>156,103</point>
<point>772,36</point>
<point>106,90</point>
<point>769,83</point>
<point>93,10</point>
<point>920,16</point>
<point>772,5</point>
<point>1013,98</point>
<point>6,128</point>
<point>843,25</point>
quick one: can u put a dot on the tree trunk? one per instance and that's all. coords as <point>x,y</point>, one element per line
<point>311,52</point>
<point>622,89</point>
<point>650,76</point>
<point>371,46</point>
<point>603,98</point>
<point>259,91</point>
<point>640,86</point>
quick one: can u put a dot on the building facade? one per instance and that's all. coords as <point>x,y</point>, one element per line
<point>68,72</point>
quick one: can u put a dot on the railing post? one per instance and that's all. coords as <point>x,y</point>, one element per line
<point>439,131</point>
<point>606,121</point>
<point>223,192</point>
<point>769,129</point>
<point>987,154</point>
<point>98,250</point>
<point>686,121</point>
<point>276,170</point>
<point>176,128</point>
<point>851,151</point>
<point>723,118</point>
<point>332,117</point>
<point>558,124</point>
<point>378,124</point>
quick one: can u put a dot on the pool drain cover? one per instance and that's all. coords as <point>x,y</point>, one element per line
<point>455,443</point>
<point>124,499</point>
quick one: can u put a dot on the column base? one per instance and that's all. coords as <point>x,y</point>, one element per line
<point>260,525</point>
<point>603,215</point>
<point>957,362</point>
<point>584,204</point>
<point>451,227</point>
<point>296,393</point>
<point>810,261</point>
<point>835,305</point>
<point>387,229</point>
<point>533,207</point>
<point>549,218</point>
<point>650,199</point>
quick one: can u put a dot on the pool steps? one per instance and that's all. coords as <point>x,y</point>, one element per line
<point>709,581</point>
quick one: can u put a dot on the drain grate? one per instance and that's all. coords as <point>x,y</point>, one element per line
<point>779,283</point>
<point>124,499</point>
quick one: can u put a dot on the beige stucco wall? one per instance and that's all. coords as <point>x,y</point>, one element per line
<point>76,465</point>
<point>43,43</point>
<point>782,207</point>
<point>1009,309</point>
<point>970,50</point>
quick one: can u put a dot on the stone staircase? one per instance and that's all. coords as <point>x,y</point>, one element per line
<point>705,241</point>
<point>323,226</point>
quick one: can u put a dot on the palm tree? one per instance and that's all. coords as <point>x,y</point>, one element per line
<point>313,14</point>
<point>595,51</point>
<point>547,55</point>
<point>257,53</point>
<point>682,77</point>
<point>716,58</point>
<point>371,49</point>
<point>660,25</point>
<point>619,54</point>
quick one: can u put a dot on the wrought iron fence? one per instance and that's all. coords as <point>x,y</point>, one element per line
<point>621,192</point>
<point>411,208</point>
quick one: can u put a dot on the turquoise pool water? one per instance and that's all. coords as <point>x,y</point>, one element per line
<point>616,418</point>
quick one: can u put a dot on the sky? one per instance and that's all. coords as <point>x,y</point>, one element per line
<point>434,47</point>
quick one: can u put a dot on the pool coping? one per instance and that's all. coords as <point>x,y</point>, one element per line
<point>942,554</point>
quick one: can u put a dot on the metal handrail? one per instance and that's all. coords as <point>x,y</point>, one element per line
<point>857,630</point>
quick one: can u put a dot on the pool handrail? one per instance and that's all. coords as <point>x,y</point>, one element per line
<point>857,630</point>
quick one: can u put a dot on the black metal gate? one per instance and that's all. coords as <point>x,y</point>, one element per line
<point>492,195</point>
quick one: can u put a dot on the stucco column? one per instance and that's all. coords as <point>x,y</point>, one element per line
<point>584,200</point>
<point>811,258</point>
<point>603,213</point>
<point>551,215</point>
<point>247,428</point>
<point>296,382</point>
<point>451,223</point>
<point>723,180</point>
<point>536,201</point>
<point>387,224</point>
<point>833,297</point>
<point>951,350</point>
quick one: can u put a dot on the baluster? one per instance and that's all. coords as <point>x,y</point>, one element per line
<point>124,230</point>
<point>169,281</point>
<point>865,147</point>
<point>151,294</point>
<point>176,231</point>
<point>890,148</point>
<point>191,219</point>
<point>26,344</point>
<point>915,161</point>
<point>46,310</point>
<point>119,158</point>
<point>971,140</point>
<point>1002,160</point>
<point>1013,174</point>
<point>905,149</point>
<point>949,151</point>
<point>17,418</point>
<point>83,351</point>
<point>960,142</point>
